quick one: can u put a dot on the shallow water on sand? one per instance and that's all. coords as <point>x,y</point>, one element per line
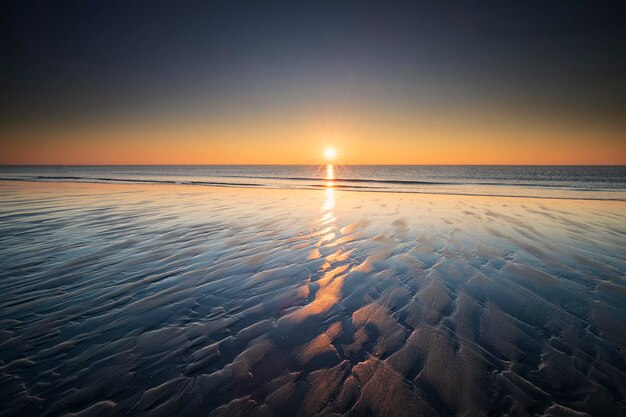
<point>181,300</point>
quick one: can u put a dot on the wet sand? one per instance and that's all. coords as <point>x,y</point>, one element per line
<point>194,301</point>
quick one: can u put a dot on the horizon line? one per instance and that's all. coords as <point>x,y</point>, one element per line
<point>324,163</point>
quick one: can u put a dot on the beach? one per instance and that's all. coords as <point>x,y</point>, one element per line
<point>163,299</point>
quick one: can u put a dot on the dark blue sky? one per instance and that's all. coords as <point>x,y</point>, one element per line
<point>70,62</point>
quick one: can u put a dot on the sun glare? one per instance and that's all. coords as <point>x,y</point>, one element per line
<point>330,154</point>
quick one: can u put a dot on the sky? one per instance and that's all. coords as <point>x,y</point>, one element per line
<point>263,82</point>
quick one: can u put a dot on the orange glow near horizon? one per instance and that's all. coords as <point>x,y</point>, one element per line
<point>363,139</point>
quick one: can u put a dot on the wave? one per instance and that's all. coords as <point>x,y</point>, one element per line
<point>171,181</point>
<point>416,182</point>
<point>349,184</point>
<point>382,181</point>
<point>133,180</point>
<point>313,179</point>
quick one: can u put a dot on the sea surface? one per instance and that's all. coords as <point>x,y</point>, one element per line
<point>586,182</point>
<point>125,293</point>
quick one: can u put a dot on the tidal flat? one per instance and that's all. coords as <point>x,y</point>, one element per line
<point>164,300</point>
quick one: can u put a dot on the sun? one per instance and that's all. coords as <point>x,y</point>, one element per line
<point>330,153</point>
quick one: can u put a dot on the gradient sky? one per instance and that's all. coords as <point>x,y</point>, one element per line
<point>130,82</point>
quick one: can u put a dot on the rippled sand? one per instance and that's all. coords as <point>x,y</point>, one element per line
<point>195,301</point>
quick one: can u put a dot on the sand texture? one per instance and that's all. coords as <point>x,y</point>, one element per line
<point>163,300</point>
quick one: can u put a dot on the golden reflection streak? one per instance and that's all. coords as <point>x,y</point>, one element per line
<point>331,282</point>
<point>329,203</point>
<point>330,172</point>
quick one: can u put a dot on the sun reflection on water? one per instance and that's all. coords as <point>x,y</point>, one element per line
<point>330,172</point>
<point>329,203</point>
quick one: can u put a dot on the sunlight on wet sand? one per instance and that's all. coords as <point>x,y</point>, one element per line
<point>181,300</point>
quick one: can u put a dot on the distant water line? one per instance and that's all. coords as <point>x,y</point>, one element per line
<point>569,182</point>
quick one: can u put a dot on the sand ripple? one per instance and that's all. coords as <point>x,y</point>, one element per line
<point>168,300</point>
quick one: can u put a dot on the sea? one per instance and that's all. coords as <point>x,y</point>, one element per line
<point>570,182</point>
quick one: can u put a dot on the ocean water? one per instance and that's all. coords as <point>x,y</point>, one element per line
<point>582,182</point>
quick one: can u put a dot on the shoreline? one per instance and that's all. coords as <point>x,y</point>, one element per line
<point>316,188</point>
